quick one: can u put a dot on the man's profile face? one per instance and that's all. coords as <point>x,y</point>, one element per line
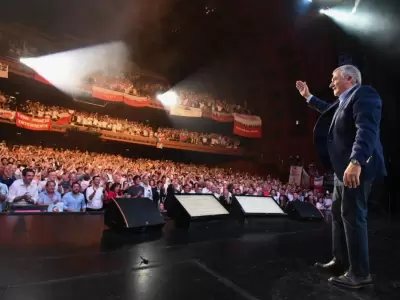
<point>339,84</point>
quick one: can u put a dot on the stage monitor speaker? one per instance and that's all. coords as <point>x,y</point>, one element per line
<point>300,210</point>
<point>128,213</point>
<point>195,207</point>
<point>259,206</point>
<point>201,205</point>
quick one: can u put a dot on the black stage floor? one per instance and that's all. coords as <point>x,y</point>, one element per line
<point>211,261</point>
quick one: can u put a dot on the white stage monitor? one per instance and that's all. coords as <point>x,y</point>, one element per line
<point>259,205</point>
<point>201,205</point>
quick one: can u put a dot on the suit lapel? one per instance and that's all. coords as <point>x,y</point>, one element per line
<point>342,105</point>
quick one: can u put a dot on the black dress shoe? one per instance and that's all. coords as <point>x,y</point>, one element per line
<point>350,281</point>
<point>334,267</point>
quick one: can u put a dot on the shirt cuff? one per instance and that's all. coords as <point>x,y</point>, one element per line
<point>309,98</point>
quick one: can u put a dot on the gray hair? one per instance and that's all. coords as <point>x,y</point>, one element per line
<point>351,71</point>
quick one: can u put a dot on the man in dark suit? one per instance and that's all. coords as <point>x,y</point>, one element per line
<point>347,140</point>
<point>158,193</point>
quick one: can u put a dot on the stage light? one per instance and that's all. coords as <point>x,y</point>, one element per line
<point>322,11</point>
<point>169,98</point>
<point>69,70</point>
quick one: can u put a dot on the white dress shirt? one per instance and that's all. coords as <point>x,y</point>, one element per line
<point>328,203</point>
<point>148,192</point>
<point>19,188</point>
<point>97,201</point>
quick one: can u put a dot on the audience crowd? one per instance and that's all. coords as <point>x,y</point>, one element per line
<point>87,181</point>
<point>126,82</point>
<point>70,180</point>
<point>149,87</point>
<point>97,122</point>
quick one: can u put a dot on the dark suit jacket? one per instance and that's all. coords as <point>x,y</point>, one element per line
<point>350,131</point>
<point>158,196</point>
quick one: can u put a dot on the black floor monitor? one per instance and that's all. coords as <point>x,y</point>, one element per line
<point>197,207</point>
<point>259,206</point>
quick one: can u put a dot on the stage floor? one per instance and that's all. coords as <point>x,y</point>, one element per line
<point>261,261</point>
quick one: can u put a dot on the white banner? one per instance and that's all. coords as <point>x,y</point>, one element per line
<point>184,111</point>
<point>305,179</point>
<point>295,175</point>
<point>3,70</point>
<point>247,120</point>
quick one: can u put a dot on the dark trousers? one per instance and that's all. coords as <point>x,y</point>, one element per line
<point>349,226</point>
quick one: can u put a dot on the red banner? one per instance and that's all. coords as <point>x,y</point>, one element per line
<point>31,123</point>
<point>247,126</point>
<point>136,101</point>
<point>64,120</point>
<point>247,131</point>
<point>108,95</point>
<point>222,116</point>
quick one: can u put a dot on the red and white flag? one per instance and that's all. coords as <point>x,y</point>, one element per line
<point>247,126</point>
<point>222,116</point>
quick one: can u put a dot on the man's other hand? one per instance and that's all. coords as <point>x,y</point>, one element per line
<point>351,177</point>
<point>302,87</point>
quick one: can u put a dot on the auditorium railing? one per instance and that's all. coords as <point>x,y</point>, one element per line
<point>43,229</point>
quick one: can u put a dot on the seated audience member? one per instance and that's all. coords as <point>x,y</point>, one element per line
<point>95,195</point>
<point>74,201</point>
<point>49,195</point>
<point>136,190</point>
<point>3,195</point>
<point>24,191</point>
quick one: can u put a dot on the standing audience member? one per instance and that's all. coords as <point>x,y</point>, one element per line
<point>148,191</point>
<point>49,195</point>
<point>3,195</point>
<point>24,191</point>
<point>159,193</point>
<point>136,190</point>
<point>8,177</point>
<point>74,201</point>
<point>95,195</point>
